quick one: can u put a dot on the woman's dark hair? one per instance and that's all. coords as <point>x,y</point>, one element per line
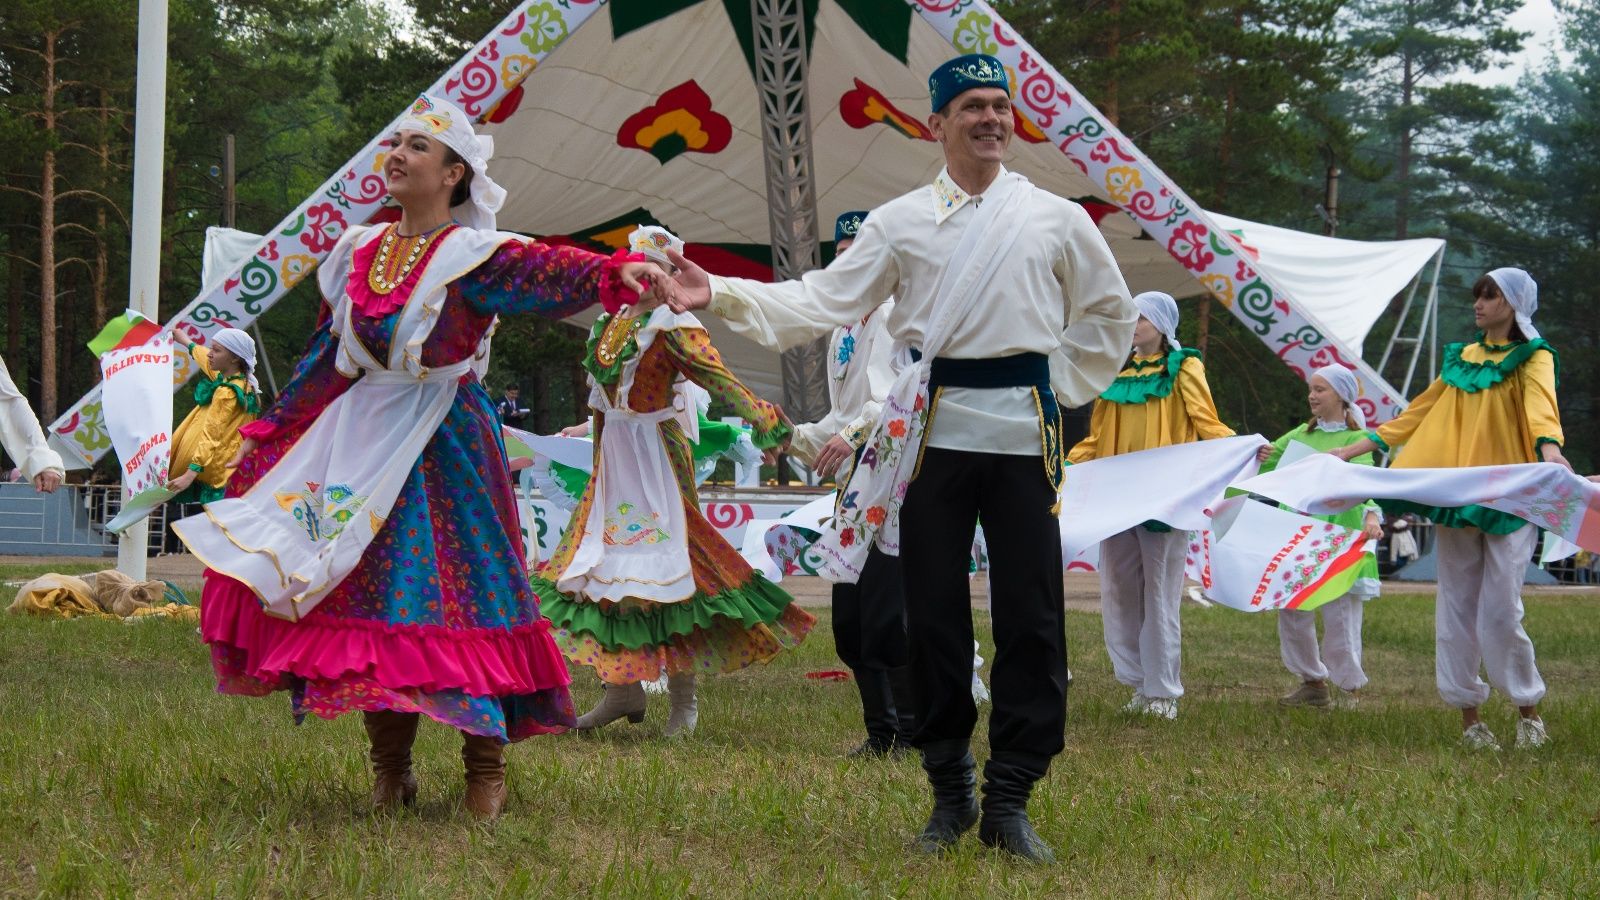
<point>463,188</point>
<point>1486,286</point>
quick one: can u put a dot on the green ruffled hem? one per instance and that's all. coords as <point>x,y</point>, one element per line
<point>758,602</point>
<point>1143,388</point>
<point>1471,377</point>
<point>1489,521</point>
<point>766,439</point>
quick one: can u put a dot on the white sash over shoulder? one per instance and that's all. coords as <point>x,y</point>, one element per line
<point>869,506</point>
<point>295,535</point>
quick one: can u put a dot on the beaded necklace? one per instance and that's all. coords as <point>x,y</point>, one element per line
<point>615,338</point>
<point>397,256</point>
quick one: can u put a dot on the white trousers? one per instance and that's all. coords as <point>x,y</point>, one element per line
<point>1478,617</point>
<point>1141,588</point>
<point>1339,659</point>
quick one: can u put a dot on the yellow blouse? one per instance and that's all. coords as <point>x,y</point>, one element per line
<point>1495,425</point>
<point>209,435</point>
<point>1187,413</point>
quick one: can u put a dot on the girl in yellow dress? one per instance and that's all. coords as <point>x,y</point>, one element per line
<point>1159,399</point>
<point>227,397</point>
<point>1494,403</point>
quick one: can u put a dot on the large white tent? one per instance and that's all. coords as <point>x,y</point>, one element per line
<point>606,114</point>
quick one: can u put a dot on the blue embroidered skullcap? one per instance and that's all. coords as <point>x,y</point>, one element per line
<point>848,225</point>
<point>975,70</point>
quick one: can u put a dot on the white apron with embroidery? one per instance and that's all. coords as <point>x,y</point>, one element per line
<point>869,505</point>
<point>295,535</point>
<point>635,540</point>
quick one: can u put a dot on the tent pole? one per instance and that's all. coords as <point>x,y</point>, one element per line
<point>144,278</point>
<point>781,78</point>
<point>1429,316</point>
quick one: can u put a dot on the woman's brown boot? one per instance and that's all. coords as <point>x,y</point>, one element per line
<point>484,760</point>
<point>392,734</point>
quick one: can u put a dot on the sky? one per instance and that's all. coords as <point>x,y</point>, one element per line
<point>1539,18</point>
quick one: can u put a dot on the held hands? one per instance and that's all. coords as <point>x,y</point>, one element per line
<point>831,456</point>
<point>183,481</point>
<point>647,280</point>
<point>47,481</point>
<point>693,286</point>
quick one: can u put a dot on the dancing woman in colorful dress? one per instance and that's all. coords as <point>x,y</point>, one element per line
<point>1336,421</point>
<point>1160,398</point>
<point>1494,403</point>
<point>368,555</point>
<point>642,584</point>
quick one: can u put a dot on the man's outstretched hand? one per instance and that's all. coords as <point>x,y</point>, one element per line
<point>694,286</point>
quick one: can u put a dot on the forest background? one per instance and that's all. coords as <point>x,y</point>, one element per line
<point>1245,103</point>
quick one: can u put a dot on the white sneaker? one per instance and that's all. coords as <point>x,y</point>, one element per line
<point>1479,737</point>
<point>1161,707</point>
<point>1531,733</point>
<point>1137,704</point>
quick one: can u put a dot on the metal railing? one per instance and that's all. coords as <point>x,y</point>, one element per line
<point>69,522</point>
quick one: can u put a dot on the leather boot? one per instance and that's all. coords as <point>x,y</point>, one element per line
<point>1008,778</point>
<point>877,713</point>
<point>620,700</point>
<point>391,734</point>
<point>952,774</point>
<point>483,758</point>
<point>900,689</point>
<point>685,713</point>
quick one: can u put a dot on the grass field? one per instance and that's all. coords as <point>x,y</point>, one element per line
<point>122,773</point>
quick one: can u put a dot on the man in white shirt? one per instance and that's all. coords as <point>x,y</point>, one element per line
<point>1018,301</point>
<point>869,617</point>
<point>24,440</point>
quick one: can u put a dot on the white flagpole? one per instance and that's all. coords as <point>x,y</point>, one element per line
<point>149,142</point>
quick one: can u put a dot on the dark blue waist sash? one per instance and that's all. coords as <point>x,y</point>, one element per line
<point>1030,370</point>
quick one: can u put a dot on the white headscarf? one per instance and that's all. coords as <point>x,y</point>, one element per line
<point>443,121</point>
<point>239,344</point>
<point>654,241</point>
<point>1162,311</point>
<point>1344,383</point>
<point>1520,290</point>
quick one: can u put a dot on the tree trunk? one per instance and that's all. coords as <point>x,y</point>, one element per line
<point>580,396</point>
<point>47,242</point>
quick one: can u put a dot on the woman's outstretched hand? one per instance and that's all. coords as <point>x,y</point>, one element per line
<point>246,447</point>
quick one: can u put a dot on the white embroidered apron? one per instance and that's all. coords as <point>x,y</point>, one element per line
<point>295,535</point>
<point>635,540</point>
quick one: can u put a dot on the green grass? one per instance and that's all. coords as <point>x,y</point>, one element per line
<point>122,773</point>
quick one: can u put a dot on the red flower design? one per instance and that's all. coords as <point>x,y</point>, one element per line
<point>681,121</point>
<point>897,428</point>
<point>847,537</point>
<point>322,230</point>
<point>864,106</point>
<point>1188,246</point>
<point>877,514</point>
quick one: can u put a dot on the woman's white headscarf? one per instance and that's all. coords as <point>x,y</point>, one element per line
<point>1344,383</point>
<point>1162,311</point>
<point>445,122</point>
<point>239,344</point>
<point>1522,292</point>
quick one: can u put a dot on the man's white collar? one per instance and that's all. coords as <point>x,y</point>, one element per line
<point>949,197</point>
